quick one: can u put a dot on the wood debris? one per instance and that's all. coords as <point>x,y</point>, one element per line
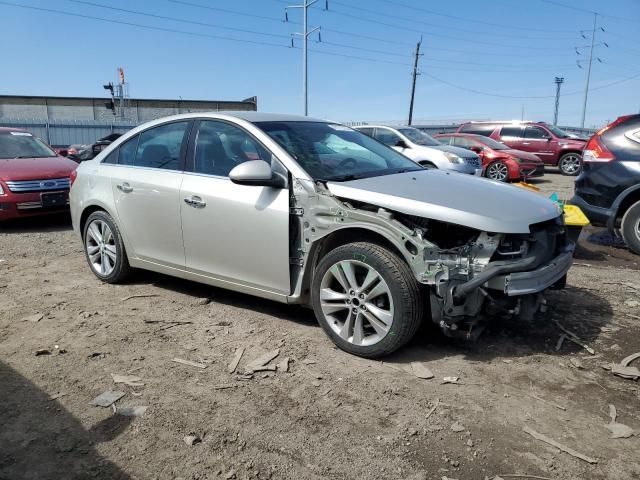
<point>233,364</point>
<point>574,338</point>
<point>189,363</point>
<point>420,370</point>
<point>106,399</point>
<point>139,295</point>
<point>261,363</point>
<point>36,317</point>
<point>618,430</point>
<point>559,446</point>
<point>131,380</point>
<point>560,407</point>
<point>283,365</point>
<point>433,409</point>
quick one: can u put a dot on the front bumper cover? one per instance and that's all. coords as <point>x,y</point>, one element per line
<point>524,283</point>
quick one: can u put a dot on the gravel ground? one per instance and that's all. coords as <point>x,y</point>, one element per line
<point>331,415</point>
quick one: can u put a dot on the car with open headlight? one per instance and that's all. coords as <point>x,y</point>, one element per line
<point>306,211</point>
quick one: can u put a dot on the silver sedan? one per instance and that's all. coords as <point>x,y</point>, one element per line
<point>300,210</point>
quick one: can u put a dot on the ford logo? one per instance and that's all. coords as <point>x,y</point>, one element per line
<point>47,184</point>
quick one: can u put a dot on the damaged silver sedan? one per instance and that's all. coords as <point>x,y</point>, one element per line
<point>305,211</point>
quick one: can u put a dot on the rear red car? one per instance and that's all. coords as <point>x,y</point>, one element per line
<point>34,180</point>
<point>499,162</point>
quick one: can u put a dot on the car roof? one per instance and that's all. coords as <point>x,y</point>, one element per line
<point>254,117</point>
<point>460,134</point>
<point>11,129</point>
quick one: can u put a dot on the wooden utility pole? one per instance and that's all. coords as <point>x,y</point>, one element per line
<point>413,84</point>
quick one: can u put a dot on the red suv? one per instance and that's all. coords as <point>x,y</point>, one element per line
<point>554,146</point>
<point>33,178</point>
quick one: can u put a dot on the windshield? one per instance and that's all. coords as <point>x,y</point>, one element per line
<point>492,144</point>
<point>329,151</point>
<point>23,145</point>
<point>421,138</point>
<point>558,132</point>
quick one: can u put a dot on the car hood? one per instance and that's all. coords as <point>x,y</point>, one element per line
<point>521,154</point>
<point>36,168</point>
<point>451,197</point>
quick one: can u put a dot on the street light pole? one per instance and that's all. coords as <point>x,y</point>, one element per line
<point>559,82</point>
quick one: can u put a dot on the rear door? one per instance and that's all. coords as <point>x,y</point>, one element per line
<point>146,185</point>
<point>235,233</point>
<point>537,140</point>
<point>511,135</point>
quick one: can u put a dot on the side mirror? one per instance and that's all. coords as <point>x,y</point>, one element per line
<point>63,152</point>
<point>401,144</point>
<point>476,149</point>
<point>257,173</point>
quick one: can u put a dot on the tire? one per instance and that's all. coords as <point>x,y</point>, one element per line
<point>630,228</point>
<point>107,259</point>
<point>352,321</point>
<point>497,171</point>
<point>570,164</point>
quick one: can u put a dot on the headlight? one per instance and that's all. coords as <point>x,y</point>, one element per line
<point>453,158</point>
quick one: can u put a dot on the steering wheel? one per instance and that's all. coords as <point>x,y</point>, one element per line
<point>347,160</point>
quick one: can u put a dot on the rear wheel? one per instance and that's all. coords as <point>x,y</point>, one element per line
<point>104,249</point>
<point>497,171</point>
<point>366,299</point>
<point>570,164</point>
<point>630,228</point>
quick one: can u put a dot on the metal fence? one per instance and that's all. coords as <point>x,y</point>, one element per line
<point>62,133</point>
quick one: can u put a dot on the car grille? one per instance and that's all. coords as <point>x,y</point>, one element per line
<point>38,185</point>
<point>475,161</point>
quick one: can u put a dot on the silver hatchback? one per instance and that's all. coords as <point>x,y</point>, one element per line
<point>300,210</point>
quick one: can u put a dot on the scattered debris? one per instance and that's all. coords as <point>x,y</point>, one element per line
<point>450,380</point>
<point>106,399</point>
<point>224,386</point>
<point>260,364</point>
<point>627,360</point>
<point>326,392</point>
<point>43,351</point>
<point>574,338</point>
<point>233,365</point>
<point>576,363</point>
<point>456,427</point>
<point>35,318</point>
<point>99,355</point>
<point>420,370</point>
<point>560,407</point>
<point>139,295</point>
<point>559,446</point>
<point>189,363</point>
<point>192,439</point>
<point>308,361</point>
<point>618,430</point>
<point>57,396</point>
<point>59,350</point>
<point>283,365</point>
<point>130,380</point>
<point>203,301</point>
<point>131,411</point>
<point>433,409</point>
<point>630,373</point>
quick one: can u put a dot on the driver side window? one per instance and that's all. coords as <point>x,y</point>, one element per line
<point>386,136</point>
<point>221,146</point>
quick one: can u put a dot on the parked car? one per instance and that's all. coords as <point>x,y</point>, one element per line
<point>306,211</point>
<point>553,145</point>
<point>499,162</point>
<point>81,153</point>
<point>34,180</point>
<point>424,149</point>
<point>608,189</point>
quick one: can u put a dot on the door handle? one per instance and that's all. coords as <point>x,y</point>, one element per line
<point>195,202</point>
<point>125,187</point>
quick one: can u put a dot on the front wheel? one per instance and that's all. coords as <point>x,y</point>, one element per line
<point>104,249</point>
<point>570,164</point>
<point>366,299</point>
<point>630,228</point>
<point>497,171</point>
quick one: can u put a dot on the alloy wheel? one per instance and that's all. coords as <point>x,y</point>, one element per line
<point>498,171</point>
<point>570,164</point>
<point>356,302</point>
<point>101,247</point>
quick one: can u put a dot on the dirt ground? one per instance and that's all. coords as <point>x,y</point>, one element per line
<point>331,415</point>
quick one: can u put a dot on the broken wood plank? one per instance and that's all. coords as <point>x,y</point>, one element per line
<point>233,365</point>
<point>261,362</point>
<point>189,363</point>
<point>139,295</point>
<point>574,338</point>
<point>433,409</point>
<point>559,446</point>
<point>560,407</point>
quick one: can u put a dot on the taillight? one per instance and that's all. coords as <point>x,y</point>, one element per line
<point>596,151</point>
<point>73,176</point>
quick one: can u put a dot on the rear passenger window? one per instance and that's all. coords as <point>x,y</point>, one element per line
<point>478,129</point>
<point>511,132</point>
<point>464,142</point>
<point>160,147</point>
<point>387,137</point>
<point>127,151</point>
<point>112,158</point>
<point>366,131</point>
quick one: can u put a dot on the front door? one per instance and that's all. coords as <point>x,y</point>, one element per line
<point>539,142</point>
<point>146,180</point>
<point>222,222</point>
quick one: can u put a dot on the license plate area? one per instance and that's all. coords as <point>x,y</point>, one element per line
<point>54,199</point>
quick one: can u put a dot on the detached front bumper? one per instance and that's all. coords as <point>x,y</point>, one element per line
<point>535,281</point>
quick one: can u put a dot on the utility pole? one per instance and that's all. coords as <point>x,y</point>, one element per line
<point>559,81</point>
<point>305,36</point>
<point>413,84</point>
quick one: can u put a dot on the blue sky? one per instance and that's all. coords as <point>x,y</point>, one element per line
<point>498,47</point>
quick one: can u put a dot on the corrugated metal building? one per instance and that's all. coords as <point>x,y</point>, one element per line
<point>63,121</point>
